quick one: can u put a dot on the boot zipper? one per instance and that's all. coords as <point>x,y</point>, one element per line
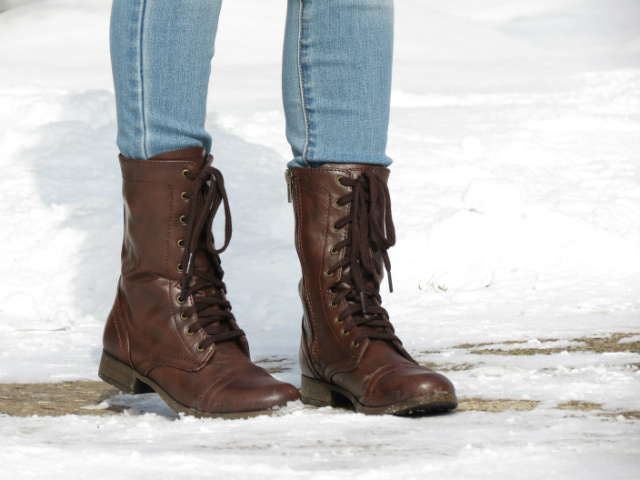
<point>288,175</point>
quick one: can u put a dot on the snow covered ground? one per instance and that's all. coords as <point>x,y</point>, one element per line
<point>516,188</point>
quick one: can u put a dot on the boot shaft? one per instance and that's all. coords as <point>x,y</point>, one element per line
<point>155,213</point>
<point>144,328</point>
<point>171,328</point>
<point>349,352</point>
<point>324,209</point>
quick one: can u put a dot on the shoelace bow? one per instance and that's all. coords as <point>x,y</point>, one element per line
<point>371,233</point>
<point>210,305</point>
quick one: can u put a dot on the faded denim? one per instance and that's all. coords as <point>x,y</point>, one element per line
<point>336,78</point>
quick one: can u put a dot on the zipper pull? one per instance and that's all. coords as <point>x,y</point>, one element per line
<point>288,176</point>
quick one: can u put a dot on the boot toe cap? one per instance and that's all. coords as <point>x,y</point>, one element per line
<point>250,394</point>
<point>245,391</point>
<point>416,386</point>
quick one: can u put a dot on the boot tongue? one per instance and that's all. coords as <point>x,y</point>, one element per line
<point>204,263</point>
<point>202,259</point>
<point>371,234</point>
<point>371,284</point>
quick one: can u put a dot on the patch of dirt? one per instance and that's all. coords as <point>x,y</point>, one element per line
<point>587,344</point>
<point>596,345</point>
<point>589,407</point>
<point>271,360</point>
<point>73,398</point>
<point>69,398</point>
<point>577,405</point>
<point>449,367</point>
<point>499,405</point>
<point>628,415</point>
<point>275,368</point>
<point>66,398</point>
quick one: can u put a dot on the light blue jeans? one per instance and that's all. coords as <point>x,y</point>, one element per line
<point>336,77</point>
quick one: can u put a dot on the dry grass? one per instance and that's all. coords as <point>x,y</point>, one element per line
<point>448,367</point>
<point>586,344</point>
<point>495,406</point>
<point>27,399</point>
<point>72,398</point>
<point>582,406</point>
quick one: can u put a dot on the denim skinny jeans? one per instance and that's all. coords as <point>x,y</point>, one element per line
<point>336,77</point>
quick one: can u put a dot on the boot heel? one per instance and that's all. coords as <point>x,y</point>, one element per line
<point>315,393</point>
<point>120,375</point>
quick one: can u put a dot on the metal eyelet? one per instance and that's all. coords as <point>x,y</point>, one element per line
<point>345,333</point>
<point>339,321</point>
<point>199,349</point>
<point>183,219</point>
<point>179,267</point>
<point>188,332</point>
<point>336,204</point>
<point>181,243</point>
<point>184,196</point>
<point>183,316</point>
<point>179,299</point>
<point>333,227</point>
<point>184,172</point>
<point>333,305</point>
<point>329,273</point>
<point>333,251</point>
<point>355,345</point>
<point>338,180</point>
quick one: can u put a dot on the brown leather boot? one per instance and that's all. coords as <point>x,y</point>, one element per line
<point>171,329</point>
<point>349,353</point>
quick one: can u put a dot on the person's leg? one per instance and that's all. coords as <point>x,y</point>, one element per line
<point>161,53</point>
<point>336,82</point>
<point>171,329</point>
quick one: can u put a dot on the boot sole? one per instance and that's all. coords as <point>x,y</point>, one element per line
<point>127,380</point>
<point>320,394</point>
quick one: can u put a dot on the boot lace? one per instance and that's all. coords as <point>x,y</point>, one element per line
<point>212,309</point>
<point>370,234</point>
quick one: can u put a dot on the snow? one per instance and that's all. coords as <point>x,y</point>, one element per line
<point>331,445</point>
<point>515,133</point>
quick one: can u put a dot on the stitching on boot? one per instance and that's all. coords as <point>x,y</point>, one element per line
<point>166,249</point>
<point>174,314</point>
<point>303,264</point>
<point>174,361</point>
<point>378,375</point>
<point>116,320</point>
<point>326,314</point>
<point>323,307</point>
<point>222,382</point>
<point>171,286</point>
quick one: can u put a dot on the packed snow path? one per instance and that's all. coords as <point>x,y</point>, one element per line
<point>515,133</point>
